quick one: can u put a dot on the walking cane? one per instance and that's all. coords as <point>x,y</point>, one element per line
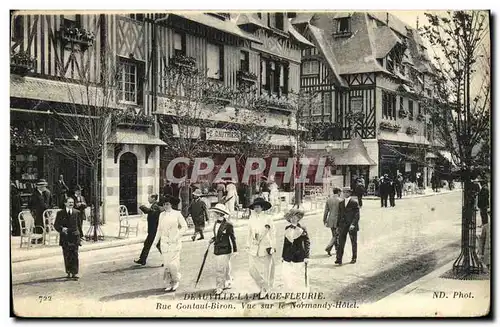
<point>305,274</point>
<point>202,265</point>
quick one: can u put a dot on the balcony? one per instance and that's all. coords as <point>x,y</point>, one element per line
<point>218,94</point>
<point>275,103</point>
<point>388,126</point>
<point>411,130</point>
<point>21,63</point>
<point>246,77</point>
<point>76,36</point>
<point>130,119</point>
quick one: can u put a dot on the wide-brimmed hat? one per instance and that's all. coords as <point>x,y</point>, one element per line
<point>197,192</point>
<point>260,202</point>
<point>42,182</point>
<point>294,213</point>
<point>170,199</point>
<point>220,208</point>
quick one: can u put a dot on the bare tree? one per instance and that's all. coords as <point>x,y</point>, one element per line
<point>461,114</point>
<point>88,123</point>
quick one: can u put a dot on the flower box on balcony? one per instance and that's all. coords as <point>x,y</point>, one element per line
<point>21,63</point>
<point>247,77</point>
<point>411,130</point>
<point>389,126</point>
<point>274,103</point>
<point>184,63</point>
<point>403,113</point>
<point>130,119</point>
<point>420,117</point>
<point>218,95</point>
<point>76,35</point>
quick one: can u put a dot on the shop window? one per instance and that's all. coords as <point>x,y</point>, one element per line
<point>388,105</point>
<point>179,44</point>
<point>244,61</point>
<point>215,61</point>
<point>310,67</point>
<point>130,81</point>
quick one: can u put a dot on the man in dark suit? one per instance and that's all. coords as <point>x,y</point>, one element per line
<point>348,224</point>
<point>153,215</point>
<point>384,190</point>
<point>80,203</point>
<point>199,213</point>
<point>40,201</point>
<point>483,202</point>
<point>61,191</point>
<point>68,224</point>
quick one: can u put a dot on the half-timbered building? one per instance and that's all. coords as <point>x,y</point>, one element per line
<point>371,71</point>
<point>52,55</point>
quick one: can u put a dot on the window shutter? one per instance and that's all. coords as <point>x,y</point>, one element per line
<point>286,71</point>
<point>268,76</point>
<point>140,83</point>
<point>221,63</point>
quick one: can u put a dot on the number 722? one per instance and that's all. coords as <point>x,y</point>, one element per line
<point>44,298</point>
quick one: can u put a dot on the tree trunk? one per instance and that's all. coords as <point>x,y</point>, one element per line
<point>468,261</point>
<point>97,204</point>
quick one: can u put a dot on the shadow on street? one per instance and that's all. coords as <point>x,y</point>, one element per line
<point>374,288</point>
<point>133,295</point>
<point>47,280</point>
<point>131,268</point>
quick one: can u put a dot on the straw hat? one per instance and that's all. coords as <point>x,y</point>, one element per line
<point>260,202</point>
<point>220,208</point>
<point>294,213</point>
<point>197,192</point>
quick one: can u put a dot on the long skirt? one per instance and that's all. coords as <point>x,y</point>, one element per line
<point>262,271</point>
<point>70,254</point>
<point>222,270</point>
<point>294,277</point>
<point>172,264</point>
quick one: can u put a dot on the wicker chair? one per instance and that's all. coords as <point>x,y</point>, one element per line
<point>29,231</point>
<point>49,216</point>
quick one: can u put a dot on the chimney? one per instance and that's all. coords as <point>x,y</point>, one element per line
<point>387,19</point>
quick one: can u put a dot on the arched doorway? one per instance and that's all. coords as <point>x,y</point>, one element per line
<point>128,182</point>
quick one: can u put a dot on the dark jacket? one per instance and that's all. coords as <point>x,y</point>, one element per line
<point>384,187</point>
<point>168,190</point>
<point>199,213</point>
<point>153,216</point>
<point>359,189</point>
<point>60,188</point>
<point>392,189</point>
<point>297,250</point>
<point>349,215</point>
<point>72,223</point>
<point>483,199</point>
<point>39,203</point>
<point>224,241</point>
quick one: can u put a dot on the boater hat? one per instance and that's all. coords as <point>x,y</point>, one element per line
<point>220,208</point>
<point>197,192</point>
<point>261,202</point>
<point>294,213</point>
<point>42,182</point>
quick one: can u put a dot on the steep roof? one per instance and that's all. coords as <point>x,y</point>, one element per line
<point>355,155</point>
<point>327,53</point>
<point>384,41</point>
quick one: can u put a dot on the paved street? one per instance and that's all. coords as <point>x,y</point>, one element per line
<point>395,247</point>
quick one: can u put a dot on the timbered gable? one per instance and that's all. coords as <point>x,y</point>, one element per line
<point>42,38</point>
<point>360,79</point>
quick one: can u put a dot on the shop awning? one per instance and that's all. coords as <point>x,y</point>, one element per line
<point>355,155</point>
<point>135,137</point>
<point>403,137</point>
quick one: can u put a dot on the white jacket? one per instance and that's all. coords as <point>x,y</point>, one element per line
<point>171,227</point>
<point>259,237</point>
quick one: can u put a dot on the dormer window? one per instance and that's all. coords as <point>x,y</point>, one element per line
<point>343,27</point>
<point>276,21</point>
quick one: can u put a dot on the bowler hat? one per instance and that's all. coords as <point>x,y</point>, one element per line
<point>260,202</point>
<point>294,213</point>
<point>220,208</point>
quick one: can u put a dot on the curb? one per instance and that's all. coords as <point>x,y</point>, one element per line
<point>371,198</point>
<point>119,243</point>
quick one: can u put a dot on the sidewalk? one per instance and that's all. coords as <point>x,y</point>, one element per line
<point>111,240</point>
<point>435,296</point>
<point>427,192</point>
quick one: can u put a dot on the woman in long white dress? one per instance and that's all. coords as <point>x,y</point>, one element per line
<point>232,196</point>
<point>261,246</point>
<point>171,226</point>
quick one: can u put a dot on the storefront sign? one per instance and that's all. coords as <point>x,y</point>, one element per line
<point>219,134</point>
<point>192,132</point>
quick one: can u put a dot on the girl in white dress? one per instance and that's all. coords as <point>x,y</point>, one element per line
<point>261,246</point>
<point>171,226</point>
